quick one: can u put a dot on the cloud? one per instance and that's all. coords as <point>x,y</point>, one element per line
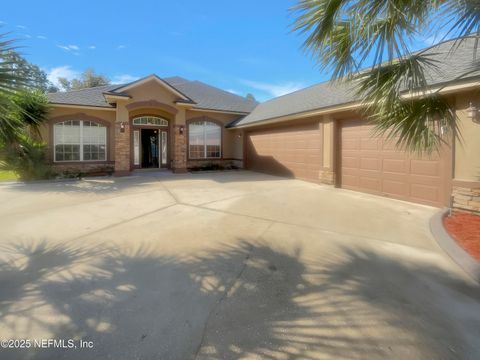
<point>233,91</point>
<point>41,37</point>
<point>124,78</point>
<point>92,47</point>
<point>121,47</point>
<point>3,23</point>
<point>70,48</point>
<point>275,90</point>
<point>61,71</point>
<point>27,36</point>
<point>22,27</point>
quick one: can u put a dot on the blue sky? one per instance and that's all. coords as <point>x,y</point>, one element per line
<point>240,46</point>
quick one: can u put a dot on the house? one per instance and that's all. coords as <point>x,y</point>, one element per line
<point>316,134</point>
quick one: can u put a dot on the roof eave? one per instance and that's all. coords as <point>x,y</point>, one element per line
<point>233,112</point>
<point>442,89</point>
<point>94,107</point>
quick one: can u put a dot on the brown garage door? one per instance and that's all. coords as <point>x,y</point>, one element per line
<point>372,164</point>
<point>292,151</point>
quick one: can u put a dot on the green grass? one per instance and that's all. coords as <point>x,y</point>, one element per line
<point>7,175</point>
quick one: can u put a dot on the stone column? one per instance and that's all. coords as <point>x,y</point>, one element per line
<point>122,141</point>
<point>179,156</point>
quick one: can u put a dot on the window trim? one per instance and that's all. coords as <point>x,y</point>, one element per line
<point>166,123</point>
<point>81,160</point>
<point>204,119</point>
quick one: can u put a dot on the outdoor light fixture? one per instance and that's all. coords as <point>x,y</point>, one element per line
<point>122,127</point>
<point>472,113</point>
<point>181,129</point>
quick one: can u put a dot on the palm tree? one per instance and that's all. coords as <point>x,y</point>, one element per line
<point>23,103</point>
<point>347,36</point>
<point>10,84</point>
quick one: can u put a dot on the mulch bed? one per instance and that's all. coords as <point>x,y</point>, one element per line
<point>465,229</point>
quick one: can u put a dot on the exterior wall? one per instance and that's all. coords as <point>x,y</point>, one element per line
<point>57,114</point>
<point>466,183</point>
<point>232,141</point>
<point>151,98</point>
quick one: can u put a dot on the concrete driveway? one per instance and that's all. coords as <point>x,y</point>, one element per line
<point>227,266</point>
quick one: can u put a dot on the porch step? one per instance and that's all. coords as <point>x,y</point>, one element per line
<point>152,172</point>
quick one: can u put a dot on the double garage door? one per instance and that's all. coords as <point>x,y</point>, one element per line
<point>364,163</point>
<point>291,151</point>
<point>374,165</point>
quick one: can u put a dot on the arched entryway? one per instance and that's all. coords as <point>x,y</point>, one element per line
<point>150,142</point>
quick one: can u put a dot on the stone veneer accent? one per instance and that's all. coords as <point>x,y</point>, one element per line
<point>103,168</point>
<point>122,150</point>
<point>466,199</point>
<point>327,176</point>
<point>223,162</point>
<point>179,156</point>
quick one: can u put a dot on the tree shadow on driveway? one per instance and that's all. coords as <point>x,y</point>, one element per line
<point>241,300</point>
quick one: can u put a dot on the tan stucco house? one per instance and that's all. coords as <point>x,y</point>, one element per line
<point>316,134</point>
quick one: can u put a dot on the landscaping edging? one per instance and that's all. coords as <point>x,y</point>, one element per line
<point>450,246</point>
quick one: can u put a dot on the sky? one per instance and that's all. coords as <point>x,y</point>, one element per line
<point>240,46</point>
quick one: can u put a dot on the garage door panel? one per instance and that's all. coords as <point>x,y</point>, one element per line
<point>378,166</point>
<point>392,187</point>
<point>369,144</point>
<point>425,167</point>
<point>350,144</point>
<point>370,183</point>
<point>367,163</point>
<point>424,192</point>
<point>350,162</point>
<point>399,166</point>
<point>287,151</point>
<point>350,181</point>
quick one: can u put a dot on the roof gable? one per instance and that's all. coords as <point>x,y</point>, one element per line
<point>153,77</point>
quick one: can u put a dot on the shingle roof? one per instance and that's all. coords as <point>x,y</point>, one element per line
<point>209,97</point>
<point>86,97</point>
<point>450,66</point>
<point>204,96</point>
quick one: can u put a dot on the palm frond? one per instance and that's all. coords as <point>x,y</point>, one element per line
<point>346,36</point>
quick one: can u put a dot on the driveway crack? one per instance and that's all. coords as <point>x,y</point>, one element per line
<point>226,292</point>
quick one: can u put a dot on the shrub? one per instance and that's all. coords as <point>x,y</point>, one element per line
<point>27,158</point>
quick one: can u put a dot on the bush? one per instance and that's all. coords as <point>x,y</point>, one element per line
<point>27,158</point>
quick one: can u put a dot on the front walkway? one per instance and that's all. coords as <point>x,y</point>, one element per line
<point>227,265</point>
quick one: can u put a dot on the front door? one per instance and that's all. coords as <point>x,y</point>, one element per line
<point>150,148</point>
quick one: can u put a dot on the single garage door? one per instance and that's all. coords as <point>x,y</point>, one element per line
<point>291,151</point>
<point>372,164</point>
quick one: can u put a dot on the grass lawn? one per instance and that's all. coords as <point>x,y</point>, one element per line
<point>7,175</point>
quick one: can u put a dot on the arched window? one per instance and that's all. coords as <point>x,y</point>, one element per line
<point>150,120</point>
<point>204,140</point>
<point>78,140</point>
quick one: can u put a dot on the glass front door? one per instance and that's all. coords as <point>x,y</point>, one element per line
<point>150,148</point>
